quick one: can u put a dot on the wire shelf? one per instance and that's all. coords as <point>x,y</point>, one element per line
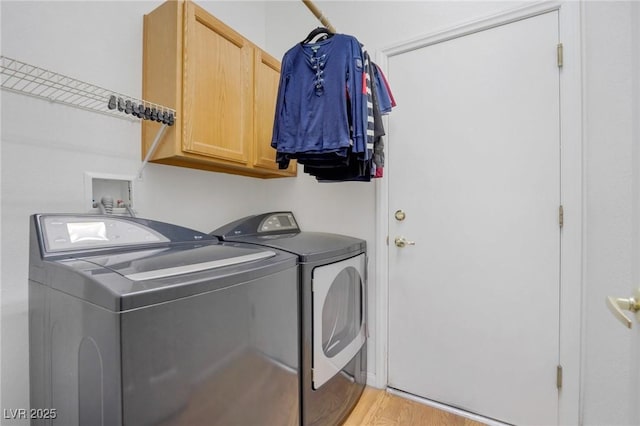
<point>20,77</point>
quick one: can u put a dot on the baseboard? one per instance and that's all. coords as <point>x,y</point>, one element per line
<point>372,381</point>
<point>447,408</point>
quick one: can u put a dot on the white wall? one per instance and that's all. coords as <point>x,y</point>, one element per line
<point>376,24</point>
<point>47,148</point>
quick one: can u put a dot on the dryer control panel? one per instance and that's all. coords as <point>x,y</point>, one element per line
<point>278,222</point>
<point>273,223</point>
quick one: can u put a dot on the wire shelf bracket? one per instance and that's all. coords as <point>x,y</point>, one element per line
<point>23,78</point>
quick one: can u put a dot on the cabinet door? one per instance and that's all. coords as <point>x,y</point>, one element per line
<point>267,77</point>
<point>217,98</point>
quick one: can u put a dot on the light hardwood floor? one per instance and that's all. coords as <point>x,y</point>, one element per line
<point>379,408</point>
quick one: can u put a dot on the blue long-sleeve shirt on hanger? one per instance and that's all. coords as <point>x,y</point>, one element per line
<point>321,88</point>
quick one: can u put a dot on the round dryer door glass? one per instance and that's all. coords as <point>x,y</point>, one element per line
<point>342,312</point>
<point>338,316</point>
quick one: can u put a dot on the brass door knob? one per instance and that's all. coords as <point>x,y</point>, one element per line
<point>403,242</point>
<point>617,305</point>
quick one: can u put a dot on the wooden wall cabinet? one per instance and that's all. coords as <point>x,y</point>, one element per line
<point>222,86</point>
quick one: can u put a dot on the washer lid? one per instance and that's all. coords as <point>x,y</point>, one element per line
<point>177,260</point>
<point>138,278</point>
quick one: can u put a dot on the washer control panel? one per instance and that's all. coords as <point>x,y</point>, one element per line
<point>71,233</point>
<point>278,222</point>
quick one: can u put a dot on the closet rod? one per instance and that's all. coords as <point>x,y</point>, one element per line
<point>318,14</point>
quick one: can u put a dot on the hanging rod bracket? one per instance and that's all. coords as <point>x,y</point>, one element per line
<point>318,14</point>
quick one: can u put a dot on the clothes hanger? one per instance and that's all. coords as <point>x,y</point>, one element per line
<point>318,34</point>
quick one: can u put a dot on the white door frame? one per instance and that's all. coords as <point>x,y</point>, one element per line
<point>571,190</point>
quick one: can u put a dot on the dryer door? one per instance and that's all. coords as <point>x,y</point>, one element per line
<point>338,316</point>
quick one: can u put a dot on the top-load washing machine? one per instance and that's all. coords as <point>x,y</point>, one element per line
<point>138,322</point>
<point>332,273</point>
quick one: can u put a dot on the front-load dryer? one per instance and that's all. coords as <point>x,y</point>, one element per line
<point>332,278</point>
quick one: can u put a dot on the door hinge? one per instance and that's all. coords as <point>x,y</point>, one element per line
<point>561,216</point>
<point>559,377</point>
<point>560,55</point>
<point>387,240</point>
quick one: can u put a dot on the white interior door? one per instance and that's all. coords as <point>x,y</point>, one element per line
<point>474,163</point>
